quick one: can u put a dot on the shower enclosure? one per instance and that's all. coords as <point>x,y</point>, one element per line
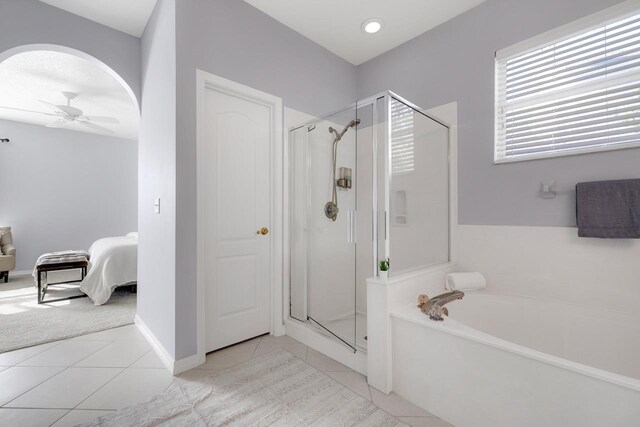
<point>366,183</point>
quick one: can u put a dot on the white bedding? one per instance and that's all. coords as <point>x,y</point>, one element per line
<point>114,262</point>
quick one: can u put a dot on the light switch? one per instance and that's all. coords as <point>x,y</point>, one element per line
<point>156,206</point>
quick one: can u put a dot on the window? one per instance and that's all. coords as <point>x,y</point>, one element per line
<point>402,148</point>
<point>571,91</point>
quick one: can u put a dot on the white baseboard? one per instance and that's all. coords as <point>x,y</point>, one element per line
<point>20,273</point>
<point>174,366</point>
<point>188,363</point>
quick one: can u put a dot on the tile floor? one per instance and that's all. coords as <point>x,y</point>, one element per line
<point>73,381</point>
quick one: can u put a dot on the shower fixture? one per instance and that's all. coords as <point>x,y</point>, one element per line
<point>331,207</point>
<point>344,180</point>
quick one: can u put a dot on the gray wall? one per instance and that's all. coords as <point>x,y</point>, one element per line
<point>63,190</point>
<point>234,40</point>
<point>157,177</point>
<point>25,22</point>
<point>455,62</point>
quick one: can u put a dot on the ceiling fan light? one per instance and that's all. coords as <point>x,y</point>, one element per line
<point>372,25</point>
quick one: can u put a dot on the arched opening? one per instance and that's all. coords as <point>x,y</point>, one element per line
<point>77,53</point>
<point>71,125</point>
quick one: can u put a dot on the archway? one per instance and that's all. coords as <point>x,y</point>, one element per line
<point>72,168</point>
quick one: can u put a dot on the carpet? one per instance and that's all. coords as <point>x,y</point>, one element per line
<point>24,323</point>
<point>275,389</point>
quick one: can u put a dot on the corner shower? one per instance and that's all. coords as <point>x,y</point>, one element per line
<point>386,175</point>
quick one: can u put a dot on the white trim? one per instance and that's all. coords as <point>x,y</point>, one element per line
<point>20,273</point>
<point>575,152</point>
<point>163,354</point>
<point>205,80</point>
<point>579,25</point>
<point>188,363</point>
<point>174,366</point>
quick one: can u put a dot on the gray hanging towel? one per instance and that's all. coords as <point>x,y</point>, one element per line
<point>608,209</point>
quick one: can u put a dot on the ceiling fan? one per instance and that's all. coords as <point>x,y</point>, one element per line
<point>68,114</point>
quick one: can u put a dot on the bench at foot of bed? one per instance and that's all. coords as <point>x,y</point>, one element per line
<point>45,268</point>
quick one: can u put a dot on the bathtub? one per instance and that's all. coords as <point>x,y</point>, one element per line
<point>512,361</point>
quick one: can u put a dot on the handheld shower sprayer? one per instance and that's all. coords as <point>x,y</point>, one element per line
<point>331,208</point>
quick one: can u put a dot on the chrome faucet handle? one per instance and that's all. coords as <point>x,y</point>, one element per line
<point>436,312</point>
<point>422,299</point>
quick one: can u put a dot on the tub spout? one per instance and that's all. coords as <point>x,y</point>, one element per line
<point>434,307</point>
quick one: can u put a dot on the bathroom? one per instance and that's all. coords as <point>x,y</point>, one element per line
<point>553,308</point>
<point>371,212</point>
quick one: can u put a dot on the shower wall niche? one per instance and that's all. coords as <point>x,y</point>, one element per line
<point>396,205</point>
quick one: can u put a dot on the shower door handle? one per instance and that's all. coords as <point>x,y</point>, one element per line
<point>351,226</point>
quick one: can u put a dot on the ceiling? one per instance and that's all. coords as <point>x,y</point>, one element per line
<point>30,77</point>
<point>129,16</point>
<point>335,24</point>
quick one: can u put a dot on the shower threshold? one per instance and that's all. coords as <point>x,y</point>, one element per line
<point>342,330</point>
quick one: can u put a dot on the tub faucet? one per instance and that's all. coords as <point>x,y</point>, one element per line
<point>434,307</point>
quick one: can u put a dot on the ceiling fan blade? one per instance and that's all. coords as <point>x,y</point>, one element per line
<point>95,127</point>
<point>70,111</point>
<point>29,111</point>
<point>63,109</point>
<point>56,123</point>
<point>101,119</point>
<point>50,105</point>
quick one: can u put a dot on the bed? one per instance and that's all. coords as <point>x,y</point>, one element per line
<point>114,262</point>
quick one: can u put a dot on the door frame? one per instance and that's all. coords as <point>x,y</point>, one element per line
<point>207,81</point>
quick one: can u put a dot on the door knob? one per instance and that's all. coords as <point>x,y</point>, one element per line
<point>263,231</point>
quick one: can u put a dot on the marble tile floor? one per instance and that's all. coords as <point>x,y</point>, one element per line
<point>73,381</point>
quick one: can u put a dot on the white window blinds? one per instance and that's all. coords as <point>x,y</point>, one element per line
<point>578,93</point>
<point>402,148</point>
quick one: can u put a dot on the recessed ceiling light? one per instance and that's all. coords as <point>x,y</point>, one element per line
<point>372,25</point>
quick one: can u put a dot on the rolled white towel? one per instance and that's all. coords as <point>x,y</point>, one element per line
<point>465,281</point>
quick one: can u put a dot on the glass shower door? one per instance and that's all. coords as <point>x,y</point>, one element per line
<point>323,227</point>
<point>332,216</point>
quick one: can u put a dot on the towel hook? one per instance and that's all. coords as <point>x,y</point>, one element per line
<point>548,189</point>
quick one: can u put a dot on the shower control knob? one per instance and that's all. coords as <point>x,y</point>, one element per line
<point>263,231</point>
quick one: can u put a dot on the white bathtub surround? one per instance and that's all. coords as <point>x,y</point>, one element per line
<point>504,383</point>
<point>593,337</point>
<point>513,360</point>
<point>383,295</point>
<point>465,281</point>
<point>554,263</point>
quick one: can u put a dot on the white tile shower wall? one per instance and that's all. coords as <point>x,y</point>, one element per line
<point>554,263</point>
<point>419,234</point>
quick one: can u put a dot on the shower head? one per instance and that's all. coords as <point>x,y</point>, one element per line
<point>351,124</point>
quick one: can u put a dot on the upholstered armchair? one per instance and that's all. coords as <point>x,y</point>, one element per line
<point>7,253</point>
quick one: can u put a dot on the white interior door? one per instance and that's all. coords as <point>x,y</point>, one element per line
<point>238,132</point>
